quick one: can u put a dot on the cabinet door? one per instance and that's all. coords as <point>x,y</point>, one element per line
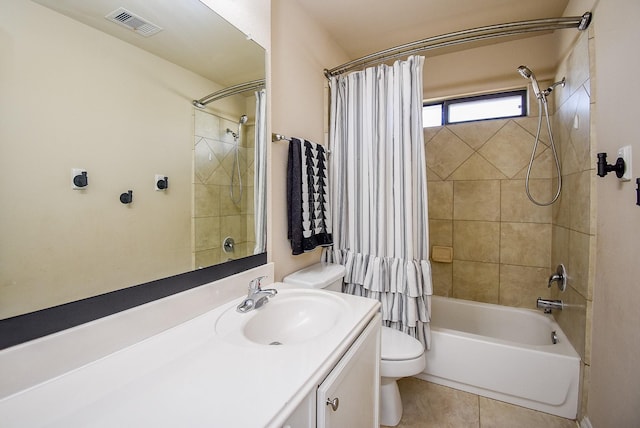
<point>350,394</point>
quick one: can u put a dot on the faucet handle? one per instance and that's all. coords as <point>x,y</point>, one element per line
<point>560,276</point>
<point>256,283</point>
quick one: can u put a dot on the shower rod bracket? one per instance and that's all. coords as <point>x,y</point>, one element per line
<point>604,168</point>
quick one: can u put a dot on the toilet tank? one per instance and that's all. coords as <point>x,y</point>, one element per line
<point>321,275</point>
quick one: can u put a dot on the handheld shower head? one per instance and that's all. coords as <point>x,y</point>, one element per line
<point>528,74</point>
<point>525,72</point>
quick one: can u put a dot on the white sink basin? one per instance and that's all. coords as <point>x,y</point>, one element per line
<point>290,317</point>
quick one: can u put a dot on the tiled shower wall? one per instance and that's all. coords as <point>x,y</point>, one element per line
<point>477,205</point>
<point>216,216</point>
<point>504,246</point>
<point>574,223</point>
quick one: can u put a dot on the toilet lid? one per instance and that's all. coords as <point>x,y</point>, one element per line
<point>397,345</point>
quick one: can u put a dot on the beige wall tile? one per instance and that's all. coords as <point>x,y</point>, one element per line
<point>442,278</point>
<point>509,150</point>
<point>446,152</point>
<point>516,207</point>
<point>578,263</point>
<point>207,233</point>
<point>440,194</point>
<point>441,232</point>
<point>475,134</point>
<point>559,246</point>
<point>477,168</point>
<point>520,286</point>
<point>207,200</point>
<point>476,281</point>
<point>476,200</point>
<point>572,318</point>
<point>476,241</point>
<point>580,208</point>
<point>525,244</point>
<point>232,226</point>
<point>431,132</point>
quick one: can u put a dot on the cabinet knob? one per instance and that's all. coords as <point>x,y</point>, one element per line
<point>333,403</point>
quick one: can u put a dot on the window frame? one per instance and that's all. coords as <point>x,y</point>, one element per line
<point>494,95</point>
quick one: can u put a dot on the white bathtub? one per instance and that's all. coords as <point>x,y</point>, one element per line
<point>503,353</point>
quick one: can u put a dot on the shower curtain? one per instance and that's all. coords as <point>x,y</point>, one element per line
<point>260,173</point>
<point>378,191</point>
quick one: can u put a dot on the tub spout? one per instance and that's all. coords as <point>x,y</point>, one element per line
<point>548,305</point>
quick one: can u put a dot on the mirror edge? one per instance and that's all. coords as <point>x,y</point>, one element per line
<point>33,325</point>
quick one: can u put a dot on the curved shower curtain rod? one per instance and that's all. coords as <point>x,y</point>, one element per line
<point>226,92</point>
<point>464,36</point>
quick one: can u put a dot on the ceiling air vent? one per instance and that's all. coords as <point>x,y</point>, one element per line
<point>133,22</point>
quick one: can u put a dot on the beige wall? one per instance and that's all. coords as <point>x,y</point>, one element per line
<point>614,385</point>
<point>75,97</point>
<point>300,52</point>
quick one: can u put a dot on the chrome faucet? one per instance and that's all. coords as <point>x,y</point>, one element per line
<point>256,296</point>
<point>548,305</point>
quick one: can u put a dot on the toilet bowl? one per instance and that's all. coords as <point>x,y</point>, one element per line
<point>400,354</point>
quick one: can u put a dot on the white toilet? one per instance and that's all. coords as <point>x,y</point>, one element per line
<point>401,354</point>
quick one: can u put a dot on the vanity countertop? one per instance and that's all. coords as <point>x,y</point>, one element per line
<point>190,376</point>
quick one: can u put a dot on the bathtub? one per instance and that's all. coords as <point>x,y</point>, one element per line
<point>503,353</point>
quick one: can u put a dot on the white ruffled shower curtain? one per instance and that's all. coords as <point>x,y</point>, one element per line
<point>378,191</point>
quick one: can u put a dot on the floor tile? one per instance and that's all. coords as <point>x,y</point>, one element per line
<point>434,406</point>
<point>496,414</point>
<point>427,405</point>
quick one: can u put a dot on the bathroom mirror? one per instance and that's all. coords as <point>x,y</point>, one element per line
<point>85,94</point>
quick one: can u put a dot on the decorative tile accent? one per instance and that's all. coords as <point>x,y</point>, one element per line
<point>477,168</point>
<point>509,150</point>
<point>475,134</point>
<point>445,152</point>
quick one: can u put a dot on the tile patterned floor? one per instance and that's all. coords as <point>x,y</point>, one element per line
<point>427,405</point>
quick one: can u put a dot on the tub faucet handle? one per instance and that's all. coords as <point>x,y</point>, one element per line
<point>560,277</point>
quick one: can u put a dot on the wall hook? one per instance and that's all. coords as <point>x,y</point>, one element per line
<point>79,178</point>
<point>162,182</point>
<point>127,198</point>
<point>604,168</point>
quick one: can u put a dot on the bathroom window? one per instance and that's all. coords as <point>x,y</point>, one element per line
<point>482,107</point>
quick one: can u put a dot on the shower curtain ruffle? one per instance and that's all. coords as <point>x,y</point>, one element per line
<point>401,286</point>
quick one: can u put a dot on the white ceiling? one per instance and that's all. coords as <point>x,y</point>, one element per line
<point>362,27</point>
<point>193,36</point>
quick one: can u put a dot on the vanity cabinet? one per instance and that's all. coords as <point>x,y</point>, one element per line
<point>349,395</point>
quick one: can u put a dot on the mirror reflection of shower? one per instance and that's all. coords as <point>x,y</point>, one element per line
<point>541,96</point>
<point>235,170</point>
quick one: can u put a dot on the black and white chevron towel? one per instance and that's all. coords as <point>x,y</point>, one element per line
<point>309,222</point>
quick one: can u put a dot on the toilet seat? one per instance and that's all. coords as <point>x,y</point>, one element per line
<point>398,346</point>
